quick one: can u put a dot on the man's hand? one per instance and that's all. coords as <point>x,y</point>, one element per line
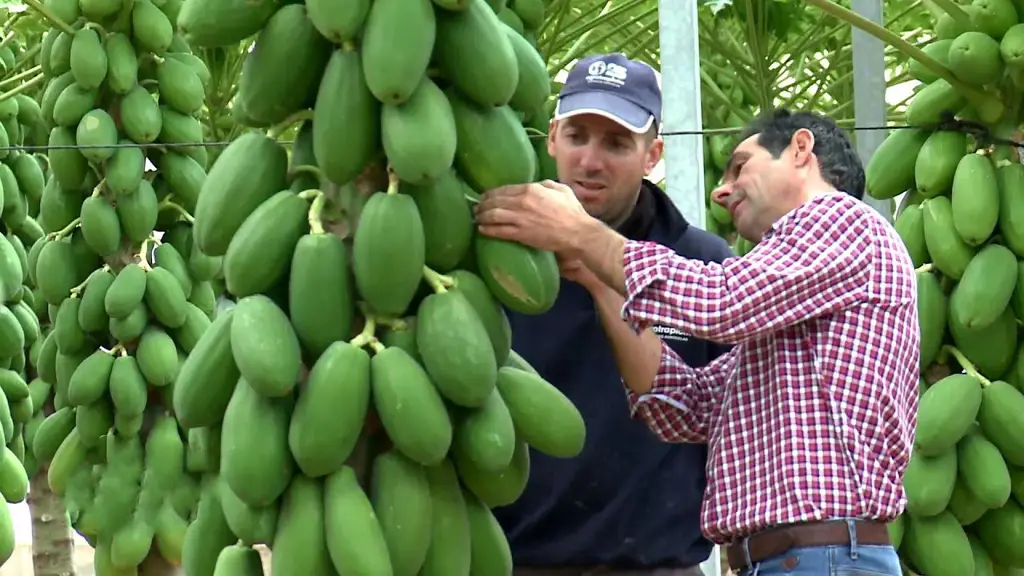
<point>544,215</point>
<point>575,271</point>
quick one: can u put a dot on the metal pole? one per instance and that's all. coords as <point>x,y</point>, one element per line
<point>684,168</point>
<point>869,90</point>
<point>680,87</point>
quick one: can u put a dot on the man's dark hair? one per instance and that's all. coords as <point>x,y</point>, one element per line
<point>839,163</point>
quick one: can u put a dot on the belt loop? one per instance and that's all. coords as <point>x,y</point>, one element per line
<point>851,526</point>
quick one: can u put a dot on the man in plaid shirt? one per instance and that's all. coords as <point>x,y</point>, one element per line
<point>809,419</point>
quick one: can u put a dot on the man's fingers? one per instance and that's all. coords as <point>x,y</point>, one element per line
<point>508,191</point>
<point>497,216</point>
<point>506,203</point>
<point>502,231</point>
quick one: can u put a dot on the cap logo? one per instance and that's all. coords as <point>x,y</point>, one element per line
<point>601,72</point>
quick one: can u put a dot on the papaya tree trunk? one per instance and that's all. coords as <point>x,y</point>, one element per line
<point>53,549</point>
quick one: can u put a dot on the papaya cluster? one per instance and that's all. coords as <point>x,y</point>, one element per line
<point>962,222</point>
<point>122,291</point>
<point>25,399</point>
<point>718,147</point>
<point>361,408</point>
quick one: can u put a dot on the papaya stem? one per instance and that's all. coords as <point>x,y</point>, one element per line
<point>376,346</point>
<point>316,209</point>
<point>390,322</point>
<point>116,350</point>
<point>65,230</point>
<point>78,289</point>
<point>10,22</point>
<point>19,89</point>
<point>310,194</point>
<point>97,191</point>
<point>438,282</point>
<point>45,158</point>
<point>47,14</point>
<point>393,181</point>
<point>967,366</point>
<point>279,129</point>
<point>897,42</point>
<point>394,324</point>
<point>366,335</point>
<point>348,46</point>
<point>184,213</point>
<point>13,80</point>
<point>99,29</point>
<point>144,252</point>
<point>306,169</point>
<point>950,7</point>
<point>925,267</point>
<point>532,132</point>
<point>26,58</point>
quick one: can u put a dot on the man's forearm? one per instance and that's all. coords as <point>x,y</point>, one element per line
<point>600,249</point>
<point>638,356</point>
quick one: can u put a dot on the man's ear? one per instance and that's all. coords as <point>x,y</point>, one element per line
<point>802,145</point>
<point>552,133</point>
<point>655,151</point>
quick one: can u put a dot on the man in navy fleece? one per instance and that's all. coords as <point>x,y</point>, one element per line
<point>629,504</point>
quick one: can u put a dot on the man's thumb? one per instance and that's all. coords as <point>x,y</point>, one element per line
<point>552,185</point>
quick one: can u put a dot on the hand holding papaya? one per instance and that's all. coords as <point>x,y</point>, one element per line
<point>545,215</point>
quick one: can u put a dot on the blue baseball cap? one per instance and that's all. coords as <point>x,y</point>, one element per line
<point>613,86</point>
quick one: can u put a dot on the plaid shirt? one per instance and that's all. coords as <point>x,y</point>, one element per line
<point>811,415</point>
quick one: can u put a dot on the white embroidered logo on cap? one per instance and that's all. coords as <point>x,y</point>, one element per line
<point>605,73</point>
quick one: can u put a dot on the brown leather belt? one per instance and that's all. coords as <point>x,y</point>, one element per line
<point>776,541</point>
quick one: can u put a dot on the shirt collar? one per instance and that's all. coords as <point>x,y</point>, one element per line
<point>797,212</point>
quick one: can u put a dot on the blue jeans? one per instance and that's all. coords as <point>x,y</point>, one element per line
<point>846,560</point>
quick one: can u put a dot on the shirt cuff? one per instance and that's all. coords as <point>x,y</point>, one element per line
<point>670,364</point>
<point>642,266</point>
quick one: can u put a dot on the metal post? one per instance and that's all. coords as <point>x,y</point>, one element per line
<point>680,87</point>
<point>684,167</point>
<point>869,90</point>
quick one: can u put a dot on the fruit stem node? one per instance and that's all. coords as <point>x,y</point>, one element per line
<point>65,230</point>
<point>316,224</point>
<point>277,130</point>
<point>967,366</point>
<point>366,335</point>
<point>438,282</point>
<point>393,182</point>
<point>306,169</point>
<point>177,208</point>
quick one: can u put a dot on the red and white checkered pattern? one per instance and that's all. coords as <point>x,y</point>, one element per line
<point>812,414</point>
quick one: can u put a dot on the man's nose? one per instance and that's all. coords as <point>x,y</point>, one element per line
<point>590,159</point>
<point>721,194</point>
